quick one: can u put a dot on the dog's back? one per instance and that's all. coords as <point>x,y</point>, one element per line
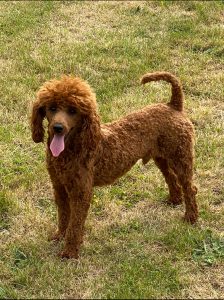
<point>156,130</point>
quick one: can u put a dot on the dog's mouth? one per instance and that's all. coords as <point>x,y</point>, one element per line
<point>58,142</point>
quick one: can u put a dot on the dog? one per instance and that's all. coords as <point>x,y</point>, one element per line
<point>83,153</point>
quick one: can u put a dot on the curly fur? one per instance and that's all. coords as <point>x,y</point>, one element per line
<point>97,154</point>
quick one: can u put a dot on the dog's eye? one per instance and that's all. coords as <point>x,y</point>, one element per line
<point>72,110</point>
<point>53,108</point>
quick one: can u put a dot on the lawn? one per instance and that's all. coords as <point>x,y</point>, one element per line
<point>135,245</point>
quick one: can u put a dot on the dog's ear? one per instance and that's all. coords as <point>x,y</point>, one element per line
<point>38,114</point>
<point>90,134</point>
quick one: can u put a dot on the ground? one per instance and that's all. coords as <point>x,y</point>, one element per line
<point>135,245</point>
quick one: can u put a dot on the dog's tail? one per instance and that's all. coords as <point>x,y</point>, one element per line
<point>177,97</point>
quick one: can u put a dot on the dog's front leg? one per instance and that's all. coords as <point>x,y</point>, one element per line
<point>61,200</point>
<point>62,203</point>
<point>80,193</point>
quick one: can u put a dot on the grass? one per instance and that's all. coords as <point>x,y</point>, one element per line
<point>135,245</point>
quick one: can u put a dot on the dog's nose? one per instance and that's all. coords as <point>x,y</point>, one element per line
<point>58,128</point>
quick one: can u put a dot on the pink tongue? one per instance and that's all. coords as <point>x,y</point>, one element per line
<point>57,145</point>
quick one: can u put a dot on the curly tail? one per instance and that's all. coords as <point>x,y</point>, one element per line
<point>177,97</point>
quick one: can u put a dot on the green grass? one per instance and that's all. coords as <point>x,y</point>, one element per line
<point>135,245</point>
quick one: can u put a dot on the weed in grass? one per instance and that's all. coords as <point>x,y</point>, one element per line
<point>209,251</point>
<point>20,259</point>
<point>181,239</point>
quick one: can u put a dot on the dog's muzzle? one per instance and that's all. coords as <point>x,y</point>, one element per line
<point>58,128</point>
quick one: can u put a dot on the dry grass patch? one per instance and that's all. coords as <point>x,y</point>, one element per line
<point>205,283</point>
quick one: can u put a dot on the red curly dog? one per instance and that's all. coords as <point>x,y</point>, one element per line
<point>82,153</point>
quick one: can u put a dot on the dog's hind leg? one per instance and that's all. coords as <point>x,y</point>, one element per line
<point>175,191</point>
<point>184,170</point>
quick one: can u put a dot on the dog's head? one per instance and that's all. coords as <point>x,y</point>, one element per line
<point>69,105</point>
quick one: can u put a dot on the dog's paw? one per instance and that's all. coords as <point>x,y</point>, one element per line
<point>191,218</point>
<point>68,254</point>
<point>57,236</point>
<point>174,201</point>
